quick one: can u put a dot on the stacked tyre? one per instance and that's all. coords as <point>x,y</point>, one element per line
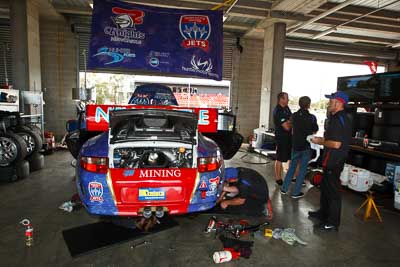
<point>363,123</point>
<point>19,152</point>
<point>387,125</point>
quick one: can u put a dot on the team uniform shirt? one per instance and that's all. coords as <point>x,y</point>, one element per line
<point>281,115</point>
<point>338,129</point>
<point>252,187</point>
<point>304,124</point>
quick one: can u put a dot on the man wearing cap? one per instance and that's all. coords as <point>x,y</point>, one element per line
<point>336,143</point>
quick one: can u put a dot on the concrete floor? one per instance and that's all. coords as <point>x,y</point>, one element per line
<point>357,243</point>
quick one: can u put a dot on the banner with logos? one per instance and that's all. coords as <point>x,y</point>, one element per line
<point>136,37</point>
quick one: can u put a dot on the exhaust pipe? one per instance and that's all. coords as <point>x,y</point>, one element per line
<point>147,213</point>
<point>159,212</point>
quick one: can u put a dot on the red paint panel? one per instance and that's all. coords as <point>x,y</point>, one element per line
<point>178,185</point>
<point>97,116</point>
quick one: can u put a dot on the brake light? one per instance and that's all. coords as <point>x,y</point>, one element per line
<point>94,164</point>
<point>208,164</point>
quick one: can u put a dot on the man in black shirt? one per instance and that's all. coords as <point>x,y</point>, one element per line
<point>336,143</point>
<point>250,190</point>
<point>304,124</point>
<point>283,129</point>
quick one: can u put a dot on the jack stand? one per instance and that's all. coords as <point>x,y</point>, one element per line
<point>370,204</point>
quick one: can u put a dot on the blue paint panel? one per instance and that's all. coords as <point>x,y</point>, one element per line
<point>96,146</point>
<point>104,207</point>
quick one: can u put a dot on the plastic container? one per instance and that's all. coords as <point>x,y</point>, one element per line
<point>344,176</point>
<point>360,180</point>
<point>225,256</point>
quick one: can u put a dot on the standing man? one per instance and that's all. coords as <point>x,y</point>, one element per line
<point>283,136</point>
<point>304,124</point>
<point>336,143</point>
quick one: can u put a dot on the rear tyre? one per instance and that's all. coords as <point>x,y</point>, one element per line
<point>32,139</point>
<point>22,169</point>
<point>13,149</point>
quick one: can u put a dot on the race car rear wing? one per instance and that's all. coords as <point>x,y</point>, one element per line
<point>97,116</point>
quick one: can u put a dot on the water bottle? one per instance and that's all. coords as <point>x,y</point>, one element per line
<point>28,232</point>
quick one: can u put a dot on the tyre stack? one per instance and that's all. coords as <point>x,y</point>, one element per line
<point>386,125</point>
<point>386,128</point>
<point>19,152</point>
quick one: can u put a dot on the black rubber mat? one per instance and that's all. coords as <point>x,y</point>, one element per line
<point>91,237</point>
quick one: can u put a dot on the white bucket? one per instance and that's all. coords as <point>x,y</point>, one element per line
<point>360,180</point>
<point>396,184</point>
<point>344,176</point>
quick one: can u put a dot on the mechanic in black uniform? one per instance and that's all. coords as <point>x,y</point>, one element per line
<point>283,136</point>
<point>336,143</point>
<point>304,123</point>
<point>249,192</point>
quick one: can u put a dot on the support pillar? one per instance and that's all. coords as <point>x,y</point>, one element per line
<point>25,45</point>
<point>272,73</point>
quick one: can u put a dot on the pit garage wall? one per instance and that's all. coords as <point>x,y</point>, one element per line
<point>59,72</point>
<point>246,88</point>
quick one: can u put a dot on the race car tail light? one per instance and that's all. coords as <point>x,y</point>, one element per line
<point>94,164</point>
<point>208,164</point>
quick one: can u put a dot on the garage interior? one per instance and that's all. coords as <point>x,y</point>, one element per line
<point>43,42</point>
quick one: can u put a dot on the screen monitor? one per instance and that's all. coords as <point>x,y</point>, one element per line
<point>389,87</point>
<point>360,88</point>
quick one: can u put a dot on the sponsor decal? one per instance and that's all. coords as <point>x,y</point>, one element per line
<point>198,65</point>
<point>203,185</point>
<point>160,173</point>
<point>125,21</point>
<point>151,194</point>
<point>154,62</point>
<point>128,173</point>
<point>95,191</point>
<point>195,29</point>
<point>116,54</point>
<point>212,189</point>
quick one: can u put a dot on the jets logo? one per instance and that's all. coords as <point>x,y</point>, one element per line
<point>127,18</point>
<point>195,30</point>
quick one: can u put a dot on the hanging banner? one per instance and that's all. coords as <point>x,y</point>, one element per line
<point>136,37</point>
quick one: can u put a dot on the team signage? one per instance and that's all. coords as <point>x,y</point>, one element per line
<point>131,36</point>
<point>97,116</point>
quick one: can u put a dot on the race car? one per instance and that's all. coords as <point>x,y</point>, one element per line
<point>150,158</point>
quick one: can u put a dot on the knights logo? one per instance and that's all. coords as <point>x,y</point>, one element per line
<point>195,29</point>
<point>127,18</point>
<point>96,191</point>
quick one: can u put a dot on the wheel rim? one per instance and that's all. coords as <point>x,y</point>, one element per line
<point>8,151</point>
<point>30,143</point>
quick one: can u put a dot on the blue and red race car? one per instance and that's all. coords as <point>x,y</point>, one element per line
<point>150,157</point>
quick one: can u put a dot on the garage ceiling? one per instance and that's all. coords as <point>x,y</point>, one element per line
<point>351,28</point>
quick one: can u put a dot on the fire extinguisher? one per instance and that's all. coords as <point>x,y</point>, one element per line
<point>28,232</point>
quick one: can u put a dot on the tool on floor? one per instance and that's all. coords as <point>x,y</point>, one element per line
<point>369,203</point>
<point>28,232</point>
<point>141,244</point>
<point>236,229</point>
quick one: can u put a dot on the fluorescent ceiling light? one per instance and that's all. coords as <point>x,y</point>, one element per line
<point>321,34</point>
<point>91,5</point>
<point>396,45</point>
